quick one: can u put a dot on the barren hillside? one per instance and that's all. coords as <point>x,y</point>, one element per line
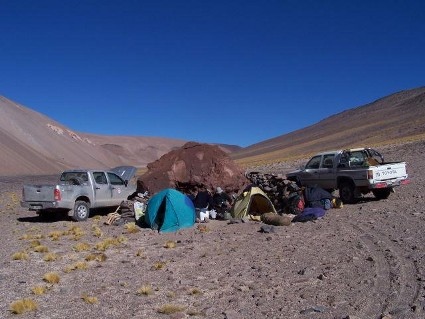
<point>398,117</point>
<point>32,143</point>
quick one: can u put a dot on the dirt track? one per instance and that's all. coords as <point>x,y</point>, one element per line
<point>362,261</point>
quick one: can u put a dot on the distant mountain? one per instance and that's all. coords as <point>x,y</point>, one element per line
<point>396,118</point>
<point>32,143</point>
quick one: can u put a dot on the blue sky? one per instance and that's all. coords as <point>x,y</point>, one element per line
<point>234,72</point>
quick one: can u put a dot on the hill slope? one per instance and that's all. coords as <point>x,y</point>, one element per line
<point>398,117</point>
<point>32,143</point>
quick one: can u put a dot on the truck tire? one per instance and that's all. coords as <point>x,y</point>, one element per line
<point>346,192</point>
<point>381,193</point>
<point>81,211</point>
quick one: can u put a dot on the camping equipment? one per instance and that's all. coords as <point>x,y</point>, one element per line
<point>251,202</point>
<point>169,210</point>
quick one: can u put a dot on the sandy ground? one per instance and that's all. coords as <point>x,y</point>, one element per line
<point>365,261</point>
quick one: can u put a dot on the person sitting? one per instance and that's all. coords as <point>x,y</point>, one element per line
<point>222,201</point>
<point>203,199</point>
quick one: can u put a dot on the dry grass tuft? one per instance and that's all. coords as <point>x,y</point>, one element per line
<point>50,257</point>
<point>108,242</point>
<point>97,232</point>
<point>170,244</point>
<point>81,247</point>
<point>195,291</point>
<point>23,305</point>
<point>96,257</point>
<point>202,228</point>
<point>132,228</point>
<point>89,299</point>
<point>80,265</point>
<point>158,265</point>
<point>29,236</point>
<point>75,231</point>
<point>41,249</point>
<point>51,278</point>
<point>39,290</point>
<point>55,235</point>
<point>140,253</point>
<point>169,309</point>
<point>20,255</point>
<point>35,243</point>
<point>145,290</point>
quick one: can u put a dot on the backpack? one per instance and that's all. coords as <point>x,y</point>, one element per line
<point>296,204</point>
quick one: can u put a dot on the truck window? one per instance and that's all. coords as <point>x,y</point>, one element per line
<point>115,179</point>
<point>314,162</point>
<point>328,161</point>
<point>74,178</point>
<point>100,178</point>
<point>357,158</point>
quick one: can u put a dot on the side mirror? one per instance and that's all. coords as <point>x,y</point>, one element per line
<point>126,183</point>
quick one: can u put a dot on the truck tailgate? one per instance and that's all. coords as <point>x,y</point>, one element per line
<point>38,193</point>
<point>390,171</point>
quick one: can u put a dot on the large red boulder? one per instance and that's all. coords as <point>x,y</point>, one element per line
<point>193,164</point>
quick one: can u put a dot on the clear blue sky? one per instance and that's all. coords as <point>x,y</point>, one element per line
<point>235,72</point>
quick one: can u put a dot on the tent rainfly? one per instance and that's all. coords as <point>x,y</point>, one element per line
<point>170,210</point>
<point>252,202</point>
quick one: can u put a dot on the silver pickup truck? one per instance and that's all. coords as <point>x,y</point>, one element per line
<point>354,172</point>
<point>80,190</point>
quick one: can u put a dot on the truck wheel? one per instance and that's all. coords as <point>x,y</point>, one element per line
<point>346,192</point>
<point>382,193</point>
<point>81,211</point>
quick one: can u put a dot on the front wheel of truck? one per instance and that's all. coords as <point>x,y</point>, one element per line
<point>81,211</point>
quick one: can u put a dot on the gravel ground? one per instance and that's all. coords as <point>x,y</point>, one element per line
<point>364,260</point>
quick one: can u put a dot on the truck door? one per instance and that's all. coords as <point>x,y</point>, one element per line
<point>310,174</point>
<point>326,172</point>
<point>118,188</point>
<point>102,189</point>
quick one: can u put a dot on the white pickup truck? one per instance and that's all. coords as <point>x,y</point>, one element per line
<point>354,172</point>
<point>80,190</point>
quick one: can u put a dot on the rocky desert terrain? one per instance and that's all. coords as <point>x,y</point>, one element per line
<point>364,260</point>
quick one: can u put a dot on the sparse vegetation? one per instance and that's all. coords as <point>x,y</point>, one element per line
<point>145,290</point>
<point>41,249</point>
<point>50,257</point>
<point>169,309</point>
<point>20,255</point>
<point>170,244</point>
<point>132,228</point>
<point>97,232</point>
<point>55,235</point>
<point>89,299</point>
<point>23,305</point>
<point>81,247</point>
<point>80,265</point>
<point>158,265</point>
<point>108,242</point>
<point>195,291</point>
<point>51,278</point>
<point>39,290</point>
<point>96,257</point>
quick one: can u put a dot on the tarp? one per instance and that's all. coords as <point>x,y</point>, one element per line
<point>252,202</point>
<point>170,210</point>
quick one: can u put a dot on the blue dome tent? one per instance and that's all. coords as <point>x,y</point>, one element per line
<point>170,210</point>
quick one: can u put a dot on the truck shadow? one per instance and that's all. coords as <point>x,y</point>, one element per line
<point>61,217</point>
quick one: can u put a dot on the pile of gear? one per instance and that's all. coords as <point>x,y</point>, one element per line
<point>283,193</point>
<point>129,210</point>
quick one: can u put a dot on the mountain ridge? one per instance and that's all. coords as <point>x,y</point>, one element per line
<point>33,144</point>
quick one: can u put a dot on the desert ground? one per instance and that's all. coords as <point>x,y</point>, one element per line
<point>365,260</point>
